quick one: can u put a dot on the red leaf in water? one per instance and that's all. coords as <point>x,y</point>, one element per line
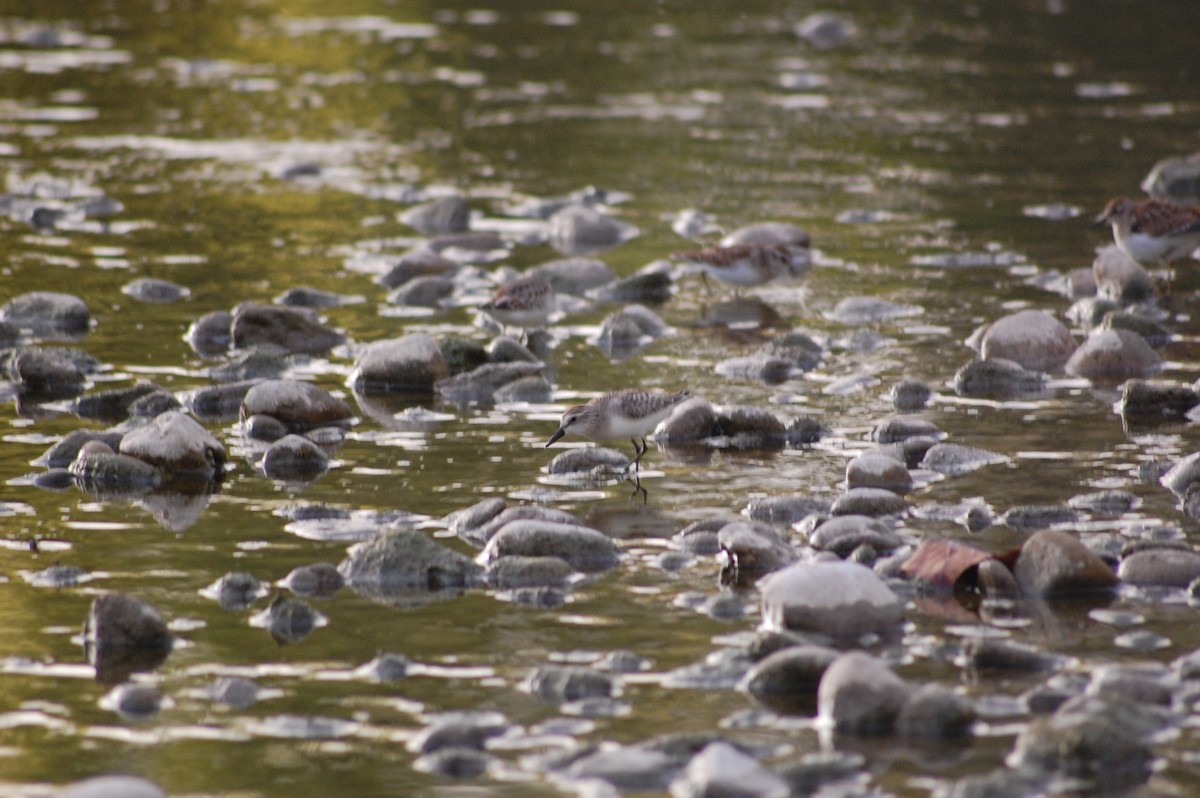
<point>941,562</point>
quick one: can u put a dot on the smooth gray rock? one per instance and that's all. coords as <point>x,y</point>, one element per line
<point>722,770</point>
<point>1054,563</point>
<point>294,458</point>
<point>178,445</point>
<point>560,684</point>
<point>878,470</point>
<point>319,579</point>
<point>1175,178</point>
<point>860,695</point>
<point>584,549</point>
<point>754,550</point>
<point>845,533</point>
<point>934,712</point>
<point>1033,339</point>
<point>300,406</point>
<point>785,510</point>
<point>868,501</point>
<point>836,598</point>
<point>444,215</point>
<point>411,364</point>
<point>1120,278</point>
<point>99,470</point>
<point>1114,355</point>
<point>526,390</point>
<point>154,291</point>
<point>579,229</point>
<point>426,291</point>
<point>481,384</point>
<point>1160,567</point>
<point>294,329</point>
<point>113,786</point>
<point>404,560</point>
<point>574,276</point>
<point>117,621</point>
<point>1142,398</point>
<point>47,314</point>
<point>953,459</point>
<point>508,573</point>
<point>997,377</point>
<point>789,678</point>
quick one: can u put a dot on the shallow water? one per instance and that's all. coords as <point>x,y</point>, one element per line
<point>941,125</point>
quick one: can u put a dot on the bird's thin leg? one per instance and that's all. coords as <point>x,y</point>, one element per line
<point>637,488</point>
<point>638,451</point>
<point>707,285</point>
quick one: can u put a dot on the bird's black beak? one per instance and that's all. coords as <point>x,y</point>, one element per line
<point>561,432</point>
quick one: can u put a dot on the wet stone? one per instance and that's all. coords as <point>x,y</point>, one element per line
<point>445,215</point>
<point>1182,475</point>
<point>754,550</point>
<point>237,590</point>
<point>459,730</point>
<point>177,444</point>
<point>1120,278</point>
<point>878,470</point>
<point>455,763</point>
<point>402,560</point>
<point>721,769</point>
<point>427,291</point>
<point>57,576</point>
<point>860,695</point>
<point>574,276</point>
<point>627,768</point>
<point>1054,563</point>
<point>154,404</point>
<point>411,364</point>
<point>475,516</point>
<point>825,30</point>
<point>508,573</point>
<point>300,406</point>
<point>98,469</point>
<point>628,329</point>
<point>651,288</point>
<point>869,501</point>
<point>10,335</point>
<point>417,263</point>
<point>294,329</point>
<point>386,667</point>
<point>55,479</point>
<point>814,770</point>
<point>899,429</point>
<point>579,229</point>
<point>486,531</point>
<point>236,692</point>
<point>997,378</point>
<point>148,289</point>
<point>785,510</point>
<point>294,458</point>
<point>992,654</point>
<point>910,395</point>
<point>45,374</point>
<point>788,679</point>
<point>1160,567</point>
<point>116,620</point>
<point>691,421</point>
<point>305,297</point>
<point>835,598</point>
<point>1100,741</point>
<point>935,712</point>
<point>112,404</point>
<point>721,670</point>
<point>1175,178</point>
<point>259,427</point>
<point>1146,685</point>
<point>1110,503</point>
<point>319,579</point>
<point>1033,339</point>
<point>582,548</point>
<point>751,428</point>
<point>767,234</point>
<point>856,311</point>
<point>1140,398</point>
<point>845,533</point>
<point>134,701</point>
<point>481,384</point>
<point>114,786</point>
<point>47,314</point>
<point>559,684</point>
<point>700,538</point>
<point>953,459</point>
<point>526,390</point>
<point>1029,518</point>
<point>1114,355</point>
<point>288,620</point>
<point>219,401</point>
<point>1156,335</point>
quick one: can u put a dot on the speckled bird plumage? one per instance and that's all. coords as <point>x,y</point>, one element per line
<point>750,264</point>
<point>1153,231</point>
<point>627,413</point>
<point>525,302</point>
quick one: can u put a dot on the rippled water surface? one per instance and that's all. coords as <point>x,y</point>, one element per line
<point>255,147</point>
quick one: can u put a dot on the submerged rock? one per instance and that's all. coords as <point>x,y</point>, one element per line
<point>721,769</point>
<point>878,470</point>
<point>481,384</point>
<point>560,684</point>
<point>1120,278</point>
<point>997,377</point>
<point>45,374</point>
<point>446,215</point>
<point>579,229</point>
<point>210,334</point>
<point>1141,398</point>
<point>148,289</point>
<point>596,461</point>
<point>288,620</point>
<point>114,403</point>
<point>845,533</point>
<point>294,458</point>
<point>753,550</point>
<point>123,634</point>
<point>574,276</point>
<point>100,470</point>
<point>787,680</point>
<point>1160,567</point>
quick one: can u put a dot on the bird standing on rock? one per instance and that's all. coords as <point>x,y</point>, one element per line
<point>526,302</point>
<point>746,265</point>
<point>1153,231</point>
<point>628,413</point>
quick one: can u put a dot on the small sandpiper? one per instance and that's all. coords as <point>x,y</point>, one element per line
<point>1153,231</point>
<point>526,302</point>
<point>750,264</point>
<point>628,413</point>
